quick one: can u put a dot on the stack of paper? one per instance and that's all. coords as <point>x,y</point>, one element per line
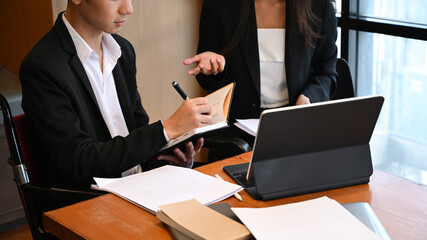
<point>197,221</point>
<point>248,125</point>
<point>168,184</point>
<point>321,218</point>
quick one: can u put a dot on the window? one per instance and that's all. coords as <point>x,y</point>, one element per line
<point>385,42</point>
<point>408,11</point>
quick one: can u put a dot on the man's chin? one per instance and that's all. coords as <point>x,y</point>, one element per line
<point>113,31</point>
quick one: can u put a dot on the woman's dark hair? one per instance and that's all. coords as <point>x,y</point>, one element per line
<point>301,18</point>
<point>245,7</point>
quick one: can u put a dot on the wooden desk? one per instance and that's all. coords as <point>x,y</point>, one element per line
<point>400,204</point>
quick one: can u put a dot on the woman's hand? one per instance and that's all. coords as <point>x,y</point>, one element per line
<point>183,159</point>
<point>208,63</point>
<point>302,99</point>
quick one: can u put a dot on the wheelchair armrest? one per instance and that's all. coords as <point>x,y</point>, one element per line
<point>74,195</point>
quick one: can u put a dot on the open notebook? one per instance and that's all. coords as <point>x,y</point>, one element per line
<point>167,184</point>
<point>221,104</point>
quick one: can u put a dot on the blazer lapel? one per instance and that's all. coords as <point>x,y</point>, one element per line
<point>123,96</point>
<point>75,63</point>
<point>81,73</point>
<point>250,41</point>
<point>288,56</point>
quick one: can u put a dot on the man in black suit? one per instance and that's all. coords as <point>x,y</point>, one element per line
<point>81,98</point>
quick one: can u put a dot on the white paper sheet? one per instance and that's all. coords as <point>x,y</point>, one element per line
<point>168,184</point>
<point>248,125</point>
<point>321,218</point>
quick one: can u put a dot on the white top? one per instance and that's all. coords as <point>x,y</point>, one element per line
<point>274,90</point>
<point>102,82</point>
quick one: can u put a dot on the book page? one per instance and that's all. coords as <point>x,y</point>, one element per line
<point>220,101</point>
<point>193,132</point>
<point>248,125</point>
<point>168,184</point>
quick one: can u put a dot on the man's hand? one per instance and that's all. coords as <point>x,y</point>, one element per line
<point>183,159</point>
<point>193,113</point>
<point>208,63</point>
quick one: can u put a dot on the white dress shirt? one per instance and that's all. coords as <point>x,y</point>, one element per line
<point>102,82</point>
<point>274,89</point>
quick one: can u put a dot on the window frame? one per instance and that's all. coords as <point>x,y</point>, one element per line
<point>352,25</point>
<point>349,19</point>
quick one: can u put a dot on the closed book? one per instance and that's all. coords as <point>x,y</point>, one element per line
<point>192,220</point>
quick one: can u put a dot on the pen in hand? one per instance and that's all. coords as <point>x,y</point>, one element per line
<point>236,195</point>
<point>179,90</point>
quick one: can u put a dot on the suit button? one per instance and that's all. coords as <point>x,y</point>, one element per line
<point>254,105</point>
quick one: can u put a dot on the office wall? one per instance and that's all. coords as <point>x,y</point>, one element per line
<point>163,34</point>
<point>22,24</point>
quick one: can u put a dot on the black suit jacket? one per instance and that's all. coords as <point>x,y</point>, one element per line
<point>309,70</point>
<point>61,107</point>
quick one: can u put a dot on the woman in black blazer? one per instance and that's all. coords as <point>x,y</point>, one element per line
<point>228,50</point>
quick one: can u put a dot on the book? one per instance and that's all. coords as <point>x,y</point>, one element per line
<point>192,220</point>
<point>221,104</point>
<point>176,230</point>
<point>167,184</point>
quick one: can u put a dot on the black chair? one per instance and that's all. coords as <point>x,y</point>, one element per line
<point>344,81</point>
<point>27,174</point>
<point>222,147</point>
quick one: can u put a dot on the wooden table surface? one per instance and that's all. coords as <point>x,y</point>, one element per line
<point>400,204</point>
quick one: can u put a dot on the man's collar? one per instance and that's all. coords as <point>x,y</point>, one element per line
<point>84,50</point>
